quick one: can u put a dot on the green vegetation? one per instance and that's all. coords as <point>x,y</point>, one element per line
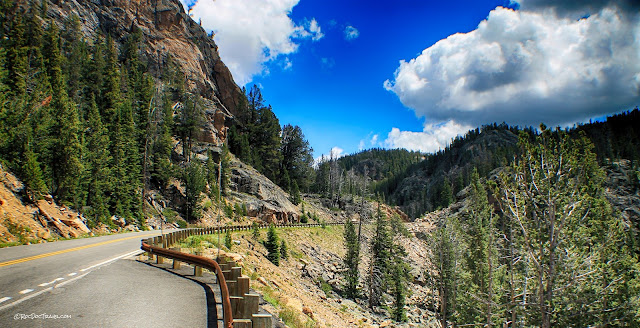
<point>272,245</point>
<point>228,242</point>
<point>284,253</point>
<point>351,260</point>
<point>282,154</point>
<point>555,254</point>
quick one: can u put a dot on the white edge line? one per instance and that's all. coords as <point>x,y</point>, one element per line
<point>25,298</point>
<point>4,299</point>
<point>111,260</point>
<point>50,282</point>
<point>70,280</point>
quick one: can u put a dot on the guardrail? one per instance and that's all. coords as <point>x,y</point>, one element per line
<point>158,246</point>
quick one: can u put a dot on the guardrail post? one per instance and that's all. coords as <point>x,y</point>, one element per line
<point>232,287</point>
<point>242,287</point>
<point>261,320</point>
<point>236,272</point>
<point>176,263</point>
<point>197,270</point>
<point>252,301</point>
<point>237,307</point>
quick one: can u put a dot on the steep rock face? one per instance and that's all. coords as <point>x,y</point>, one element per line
<point>263,198</point>
<point>167,31</point>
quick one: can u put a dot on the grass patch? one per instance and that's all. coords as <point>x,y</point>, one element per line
<point>292,318</point>
<point>270,297</point>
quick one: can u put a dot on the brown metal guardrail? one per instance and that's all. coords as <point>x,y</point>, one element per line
<point>200,261</point>
<point>157,246</point>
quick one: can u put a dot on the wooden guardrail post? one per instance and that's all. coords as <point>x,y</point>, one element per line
<point>251,304</point>
<point>242,287</point>
<point>261,320</point>
<point>176,263</point>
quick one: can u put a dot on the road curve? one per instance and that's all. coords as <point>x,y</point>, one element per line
<point>93,282</point>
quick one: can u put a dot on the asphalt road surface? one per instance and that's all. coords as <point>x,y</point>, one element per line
<point>94,282</point>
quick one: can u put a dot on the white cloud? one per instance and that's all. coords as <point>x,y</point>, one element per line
<point>251,33</point>
<point>374,140</point>
<point>361,145</point>
<point>286,64</point>
<point>351,33</point>
<point>525,67</point>
<point>335,153</point>
<point>433,138</point>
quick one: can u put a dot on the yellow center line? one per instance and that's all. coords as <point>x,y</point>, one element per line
<point>35,257</point>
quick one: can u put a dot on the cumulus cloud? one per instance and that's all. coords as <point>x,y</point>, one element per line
<point>433,138</point>
<point>251,33</point>
<point>577,8</point>
<point>351,33</point>
<point>526,67</point>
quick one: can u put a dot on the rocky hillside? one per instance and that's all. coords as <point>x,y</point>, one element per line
<point>304,290</point>
<point>168,33</point>
<point>24,222</point>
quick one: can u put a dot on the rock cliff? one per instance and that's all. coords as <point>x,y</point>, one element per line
<point>167,33</point>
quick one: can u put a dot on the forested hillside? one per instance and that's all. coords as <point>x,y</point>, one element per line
<point>423,183</point>
<point>112,122</point>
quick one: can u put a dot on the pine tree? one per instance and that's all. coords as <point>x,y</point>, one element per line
<point>195,183</point>
<point>380,260</point>
<point>97,174</point>
<point>32,175</point>
<point>351,260</point>
<point>272,245</point>
<point>66,149</point>
<point>553,194</point>
<point>295,194</point>
<point>255,231</point>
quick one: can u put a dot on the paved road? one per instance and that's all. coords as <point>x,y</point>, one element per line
<point>94,282</point>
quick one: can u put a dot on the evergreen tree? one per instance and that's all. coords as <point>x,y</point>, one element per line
<point>399,278</point>
<point>351,260</point>
<point>380,259</point>
<point>295,194</point>
<point>32,175</point>
<point>255,231</point>
<point>481,259</point>
<point>297,158</point>
<point>97,174</point>
<point>65,151</point>
<point>272,245</point>
<point>195,183</point>
<point>445,277</point>
<point>553,194</point>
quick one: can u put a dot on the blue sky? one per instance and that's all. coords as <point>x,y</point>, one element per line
<point>334,67</point>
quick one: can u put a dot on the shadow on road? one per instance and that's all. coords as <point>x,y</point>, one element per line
<point>212,310</point>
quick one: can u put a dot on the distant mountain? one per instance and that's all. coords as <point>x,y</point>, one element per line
<point>420,185</point>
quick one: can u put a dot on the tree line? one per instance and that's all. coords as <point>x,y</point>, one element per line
<point>87,122</point>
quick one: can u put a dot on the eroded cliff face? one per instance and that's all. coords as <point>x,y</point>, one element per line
<point>167,32</point>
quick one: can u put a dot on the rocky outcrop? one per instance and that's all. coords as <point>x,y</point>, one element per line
<point>167,32</point>
<point>26,222</point>
<point>263,198</point>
